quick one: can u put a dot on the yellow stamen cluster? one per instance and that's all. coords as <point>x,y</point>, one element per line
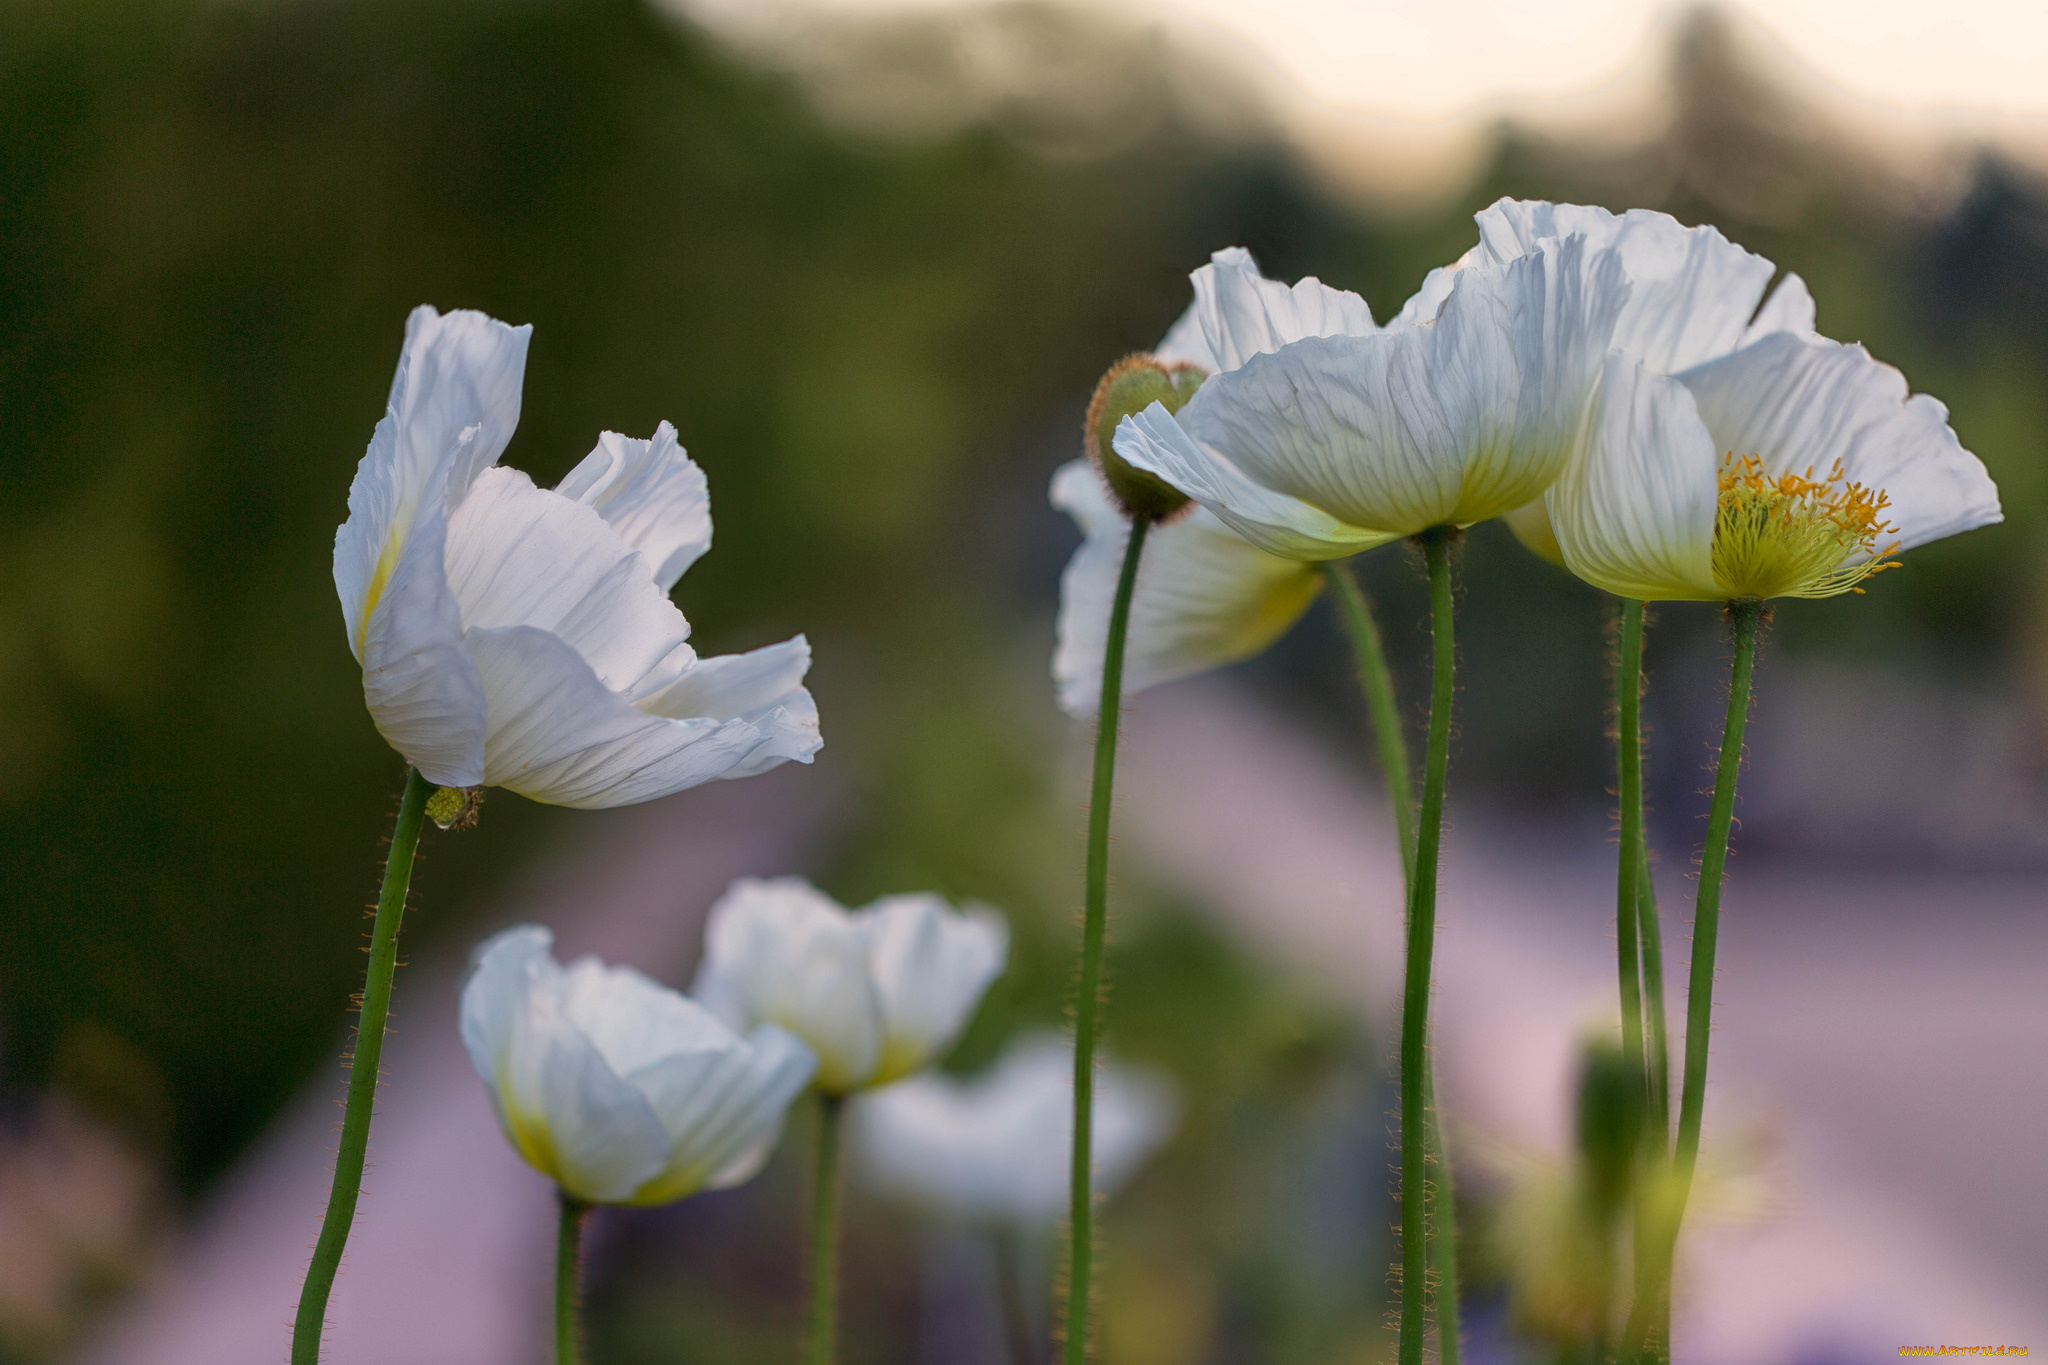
<point>1792,535</point>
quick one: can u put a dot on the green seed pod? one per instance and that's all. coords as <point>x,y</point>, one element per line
<point>454,807</point>
<point>1132,385</point>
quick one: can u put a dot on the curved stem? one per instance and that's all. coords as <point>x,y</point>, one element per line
<point>1089,991</point>
<point>311,1321</point>
<point>1436,548</point>
<point>1650,1319</point>
<point>1376,681</point>
<point>569,1280</point>
<point>822,1330</point>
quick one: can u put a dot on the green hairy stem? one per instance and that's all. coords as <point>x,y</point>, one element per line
<point>821,1332</point>
<point>1436,548</point>
<point>569,1281</point>
<point>1376,681</point>
<point>1649,1325</point>
<point>1089,991</point>
<point>311,1322</point>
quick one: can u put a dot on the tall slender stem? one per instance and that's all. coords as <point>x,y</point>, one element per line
<point>822,1331</point>
<point>1089,991</point>
<point>1376,681</point>
<point>1650,1319</point>
<point>311,1322</point>
<point>1436,548</point>
<point>1442,1227</point>
<point>1659,1041</point>
<point>1628,741</point>
<point>569,1280</point>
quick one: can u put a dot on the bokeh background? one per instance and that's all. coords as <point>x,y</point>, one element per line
<point>870,264</point>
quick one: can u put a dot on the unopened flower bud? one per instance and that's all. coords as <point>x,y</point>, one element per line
<point>1612,1108</point>
<point>1132,385</point>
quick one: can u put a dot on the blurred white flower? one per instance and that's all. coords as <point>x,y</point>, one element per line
<point>1465,407</point>
<point>1205,596</point>
<point>620,1090</point>
<point>995,1148</point>
<point>876,993</point>
<point>522,637</point>
<point>1793,467</point>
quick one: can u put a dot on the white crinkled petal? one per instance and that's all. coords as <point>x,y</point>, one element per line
<point>420,685</point>
<point>1788,309</point>
<point>1184,343</point>
<point>454,403</point>
<point>1633,512</point>
<point>1803,403</point>
<point>559,735</point>
<point>1244,314</point>
<point>759,687</point>
<point>1693,290</point>
<point>781,952</point>
<point>1559,306</point>
<point>1362,429</point>
<point>930,967</point>
<point>650,492</point>
<point>524,556</point>
<point>1281,524</point>
<point>1205,595</point>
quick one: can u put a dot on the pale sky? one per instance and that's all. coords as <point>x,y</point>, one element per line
<point>1434,59</point>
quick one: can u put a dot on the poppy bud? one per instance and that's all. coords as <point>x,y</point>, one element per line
<point>1132,385</point>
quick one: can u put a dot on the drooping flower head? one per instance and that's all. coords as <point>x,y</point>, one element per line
<point>876,993</point>
<point>995,1148</point>
<point>617,1089</point>
<point>523,637</point>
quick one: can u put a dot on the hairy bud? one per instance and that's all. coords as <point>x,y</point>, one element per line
<point>1132,385</point>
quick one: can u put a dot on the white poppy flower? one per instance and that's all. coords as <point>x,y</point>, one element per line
<point>1330,445</point>
<point>522,637</point>
<point>996,1148</point>
<point>1693,295</point>
<point>619,1090</point>
<point>1792,467</point>
<point>876,993</point>
<point>1205,596</point>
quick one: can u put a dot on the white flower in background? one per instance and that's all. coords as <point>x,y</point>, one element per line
<point>620,1090</point>
<point>1205,596</point>
<point>995,1148</point>
<point>522,637</point>
<point>1329,445</point>
<point>1793,467</point>
<point>876,993</point>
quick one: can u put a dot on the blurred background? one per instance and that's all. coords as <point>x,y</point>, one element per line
<point>870,260</point>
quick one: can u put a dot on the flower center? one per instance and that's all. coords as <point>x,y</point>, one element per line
<point>1792,535</point>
